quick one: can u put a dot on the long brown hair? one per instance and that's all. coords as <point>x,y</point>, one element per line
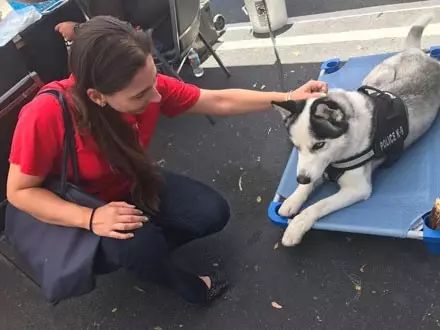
<point>106,55</point>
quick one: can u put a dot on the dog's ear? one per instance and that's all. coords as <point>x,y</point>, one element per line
<point>289,109</point>
<point>328,119</point>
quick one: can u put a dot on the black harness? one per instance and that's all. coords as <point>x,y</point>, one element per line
<point>390,129</point>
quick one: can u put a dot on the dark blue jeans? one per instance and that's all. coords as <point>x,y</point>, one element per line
<point>188,210</point>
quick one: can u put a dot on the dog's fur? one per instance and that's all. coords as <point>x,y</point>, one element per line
<point>411,75</point>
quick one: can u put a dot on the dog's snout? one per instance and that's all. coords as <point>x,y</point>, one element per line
<point>303,179</point>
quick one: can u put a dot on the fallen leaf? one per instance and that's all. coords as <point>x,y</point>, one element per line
<point>263,87</point>
<point>276,305</point>
<point>363,268</point>
<point>358,287</point>
<point>161,162</point>
<point>138,289</point>
<point>114,310</point>
<point>239,183</point>
<point>276,246</point>
<point>254,85</point>
<point>259,199</point>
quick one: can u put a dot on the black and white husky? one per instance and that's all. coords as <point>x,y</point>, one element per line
<point>345,135</point>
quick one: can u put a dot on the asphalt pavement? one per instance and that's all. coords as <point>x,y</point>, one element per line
<point>332,280</point>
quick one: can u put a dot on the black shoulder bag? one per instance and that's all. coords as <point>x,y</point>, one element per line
<point>60,258</point>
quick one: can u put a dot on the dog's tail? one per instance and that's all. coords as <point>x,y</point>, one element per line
<point>414,37</point>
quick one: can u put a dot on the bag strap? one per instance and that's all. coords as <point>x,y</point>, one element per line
<point>69,147</point>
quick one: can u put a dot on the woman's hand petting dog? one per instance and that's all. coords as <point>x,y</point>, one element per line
<point>310,89</point>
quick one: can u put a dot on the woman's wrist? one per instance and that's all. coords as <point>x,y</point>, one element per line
<point>85,216</point>
<point>92,214</point>
<point>279,96</point>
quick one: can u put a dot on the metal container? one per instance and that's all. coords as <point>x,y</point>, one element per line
<point>256,11</point>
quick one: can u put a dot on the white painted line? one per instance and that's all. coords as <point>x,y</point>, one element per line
<point>386,9</point>
<point>357,35</point>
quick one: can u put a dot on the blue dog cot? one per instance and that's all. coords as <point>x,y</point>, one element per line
<point>403,194</point>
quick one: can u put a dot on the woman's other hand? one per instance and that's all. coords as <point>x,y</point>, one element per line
<point>117,220</point>
<point>67,30</point>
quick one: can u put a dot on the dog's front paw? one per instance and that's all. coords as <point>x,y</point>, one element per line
<point>289,208</point>
<point>297,228</point>
<point>291,238</point>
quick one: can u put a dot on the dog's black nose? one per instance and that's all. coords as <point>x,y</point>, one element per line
<point>302,179</point>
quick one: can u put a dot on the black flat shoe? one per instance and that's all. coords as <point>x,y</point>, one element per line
<point>219,285</point>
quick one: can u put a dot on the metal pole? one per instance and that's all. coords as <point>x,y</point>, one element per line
<point>278,60</point>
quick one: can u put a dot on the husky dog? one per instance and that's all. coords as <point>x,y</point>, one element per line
<point>346,135</point>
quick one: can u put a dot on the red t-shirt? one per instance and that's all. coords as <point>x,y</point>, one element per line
<point>38,137</point>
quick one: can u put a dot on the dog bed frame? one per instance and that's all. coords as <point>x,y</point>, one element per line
<point>403,194</point>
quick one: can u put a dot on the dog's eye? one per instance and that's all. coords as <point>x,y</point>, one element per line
<point>318,145</point>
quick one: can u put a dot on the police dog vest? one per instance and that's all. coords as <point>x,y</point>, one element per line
<point>389,131</point>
